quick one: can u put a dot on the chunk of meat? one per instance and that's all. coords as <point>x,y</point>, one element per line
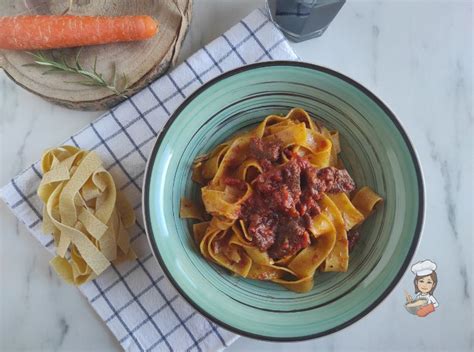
<point>343,182</point>
<point>261,228</point>
<point>335,180</point>
<point>291,173</point>
<point>328,179</point>
<point>291,236</point>
<point>264,150</point>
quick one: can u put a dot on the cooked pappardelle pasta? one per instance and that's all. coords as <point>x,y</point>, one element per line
<point>278,203</point>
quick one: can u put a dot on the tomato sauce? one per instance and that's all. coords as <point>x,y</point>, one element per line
<point>285,198</point>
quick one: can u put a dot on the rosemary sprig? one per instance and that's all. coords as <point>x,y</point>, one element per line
<point>92,78</point>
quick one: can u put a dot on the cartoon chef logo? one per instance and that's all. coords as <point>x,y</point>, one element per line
<point>425,282</point>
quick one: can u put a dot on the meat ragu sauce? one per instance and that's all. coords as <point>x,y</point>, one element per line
<point>285,198</point>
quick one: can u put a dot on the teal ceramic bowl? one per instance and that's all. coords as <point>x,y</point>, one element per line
<point>377,153</point>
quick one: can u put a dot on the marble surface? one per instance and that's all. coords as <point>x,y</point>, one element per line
<point>417,56</point>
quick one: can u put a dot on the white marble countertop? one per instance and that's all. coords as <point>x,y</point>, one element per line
<point>417,56</point>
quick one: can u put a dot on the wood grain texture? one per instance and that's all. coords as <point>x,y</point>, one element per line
<point>142,62</point>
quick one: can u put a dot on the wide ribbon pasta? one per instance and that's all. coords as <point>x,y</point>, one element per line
<point>229,176</point>
<point>87,217</point>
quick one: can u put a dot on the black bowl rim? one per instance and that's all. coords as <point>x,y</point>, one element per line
<point>383,106</point>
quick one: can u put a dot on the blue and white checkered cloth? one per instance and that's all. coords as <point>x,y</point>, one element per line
<point>135,299</point>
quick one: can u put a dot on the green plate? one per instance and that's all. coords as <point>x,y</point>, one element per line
<point>377,153</point>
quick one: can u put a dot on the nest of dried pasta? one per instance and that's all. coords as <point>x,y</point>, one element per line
<point>85,213</point>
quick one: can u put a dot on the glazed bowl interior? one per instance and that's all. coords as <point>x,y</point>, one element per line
<point>376,152</point>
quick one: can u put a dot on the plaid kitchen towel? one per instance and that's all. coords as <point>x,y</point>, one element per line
<point>135,299</point>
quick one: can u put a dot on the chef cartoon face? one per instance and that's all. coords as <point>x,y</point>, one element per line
<point>425,283</point>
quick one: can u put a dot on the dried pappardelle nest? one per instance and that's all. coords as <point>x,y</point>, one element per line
<point>224,235</point>
<point>86,215</point>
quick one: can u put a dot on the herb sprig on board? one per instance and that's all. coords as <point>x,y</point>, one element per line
<point>90,77</point>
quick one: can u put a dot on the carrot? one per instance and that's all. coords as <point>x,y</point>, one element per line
<point>48,32</point>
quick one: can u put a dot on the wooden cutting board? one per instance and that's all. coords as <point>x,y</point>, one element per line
<point>141,62</point>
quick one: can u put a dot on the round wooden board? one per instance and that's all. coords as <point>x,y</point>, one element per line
<point>141,62</point>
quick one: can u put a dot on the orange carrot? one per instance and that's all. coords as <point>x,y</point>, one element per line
<point>48,32</point>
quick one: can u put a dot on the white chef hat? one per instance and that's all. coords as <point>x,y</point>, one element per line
<point>423,268</point>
